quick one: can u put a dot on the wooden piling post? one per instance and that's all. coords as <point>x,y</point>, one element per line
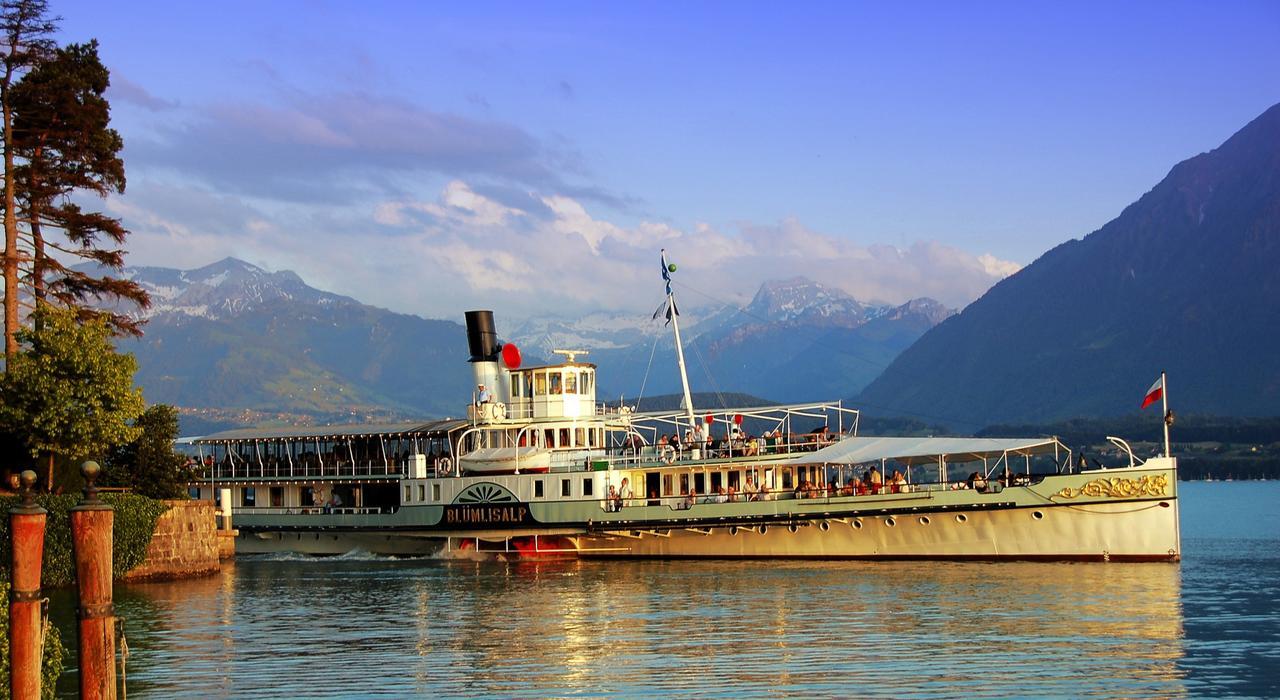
<point>26,527</point>
<point>91,522</point>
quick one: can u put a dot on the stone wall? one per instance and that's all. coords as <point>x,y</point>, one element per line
<point>185,543</point>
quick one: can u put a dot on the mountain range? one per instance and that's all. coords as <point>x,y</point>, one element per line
<point>231,337</point>
<point>1185,280</point>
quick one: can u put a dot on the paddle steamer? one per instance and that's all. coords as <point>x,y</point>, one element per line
<point>538,467</point>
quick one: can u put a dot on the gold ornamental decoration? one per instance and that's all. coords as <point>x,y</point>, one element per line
<point>1151,485</point>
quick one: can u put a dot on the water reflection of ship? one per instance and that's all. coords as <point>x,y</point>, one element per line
<point>654,627</point>
<point>788,625</point>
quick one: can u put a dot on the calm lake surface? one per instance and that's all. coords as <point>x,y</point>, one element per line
<point>359,626</point>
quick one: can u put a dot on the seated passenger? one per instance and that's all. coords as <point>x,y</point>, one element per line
<point>732,495</point>
<point>689,500</point>
<point>749,491</point>
<point>721,496</point>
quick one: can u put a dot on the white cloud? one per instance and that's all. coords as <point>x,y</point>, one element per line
<point>462,249</point>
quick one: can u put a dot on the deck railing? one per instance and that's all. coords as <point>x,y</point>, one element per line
<point>253,469</point>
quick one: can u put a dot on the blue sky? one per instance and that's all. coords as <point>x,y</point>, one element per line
<point>533,156</point>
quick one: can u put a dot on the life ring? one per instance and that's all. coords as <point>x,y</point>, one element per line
<point>500,411</point>
<point>444,466</point>
<point>668,454</point>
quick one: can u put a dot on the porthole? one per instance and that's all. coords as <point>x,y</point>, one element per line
<point>824,526</point>
<point>924,520</point>
<point>1164,504</point>
<point>962,518</point>
<point>890,522</point>
<point>764,529</point>
<point>1037,515</point>
<point>857,524</point>
<point>792,527</point>
<point>733,530</point>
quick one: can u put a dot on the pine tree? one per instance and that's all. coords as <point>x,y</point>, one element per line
<point>61,131</point>
<point>27,39</point>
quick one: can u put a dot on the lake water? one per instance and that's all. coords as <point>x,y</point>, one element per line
<point>359,626</point>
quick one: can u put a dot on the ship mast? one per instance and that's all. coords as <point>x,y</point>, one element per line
<point>673,315</point>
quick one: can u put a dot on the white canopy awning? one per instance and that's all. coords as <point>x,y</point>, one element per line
<point>922,450</point>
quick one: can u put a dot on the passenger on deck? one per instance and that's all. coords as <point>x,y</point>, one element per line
<point>877,481</point>
<point>721,496</point>
<point>898,483</point>
<point>749,491</point>
<point>613,503</point>
<point>624,493</point>
<point>689,500</point>
<point>764,492</point>
<point>482,394</point>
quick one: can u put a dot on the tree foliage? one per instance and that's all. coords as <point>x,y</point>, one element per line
<point>69,392</point>
<point>149,465</point>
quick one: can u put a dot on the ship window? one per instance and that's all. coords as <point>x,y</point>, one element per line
<point>422,492</point>
<point>571,383</point>
<point>435,492</point>
<point>565,489</point>
<point>249,496</point>
<point>556,381</point>
<point>580,435</point>
<point>666,485</point>
<point>564,438</point>
<point>277,496</point>
<point>734,482</point>
<point>684,484</point>
<point>408,493</point>
<point>587,486</point>
<point>540,384</point>
<point>585,384</point>
<point>537,488</point>
<point>699,483</point>
<point>517,382</point>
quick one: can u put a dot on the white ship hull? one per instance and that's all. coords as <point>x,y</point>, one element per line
<point>1128,531</point>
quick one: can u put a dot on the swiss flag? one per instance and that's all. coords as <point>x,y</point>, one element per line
<point>1154,393</point>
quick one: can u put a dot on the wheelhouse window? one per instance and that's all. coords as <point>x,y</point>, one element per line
<point>571,382</point>
<point>540,384</point>
<point>557,383</point>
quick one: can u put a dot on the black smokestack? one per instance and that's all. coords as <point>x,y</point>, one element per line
<point>482,338</point>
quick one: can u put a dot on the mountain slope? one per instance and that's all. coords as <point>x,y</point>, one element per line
<point>231,335</point>
<point>1187,280</point>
